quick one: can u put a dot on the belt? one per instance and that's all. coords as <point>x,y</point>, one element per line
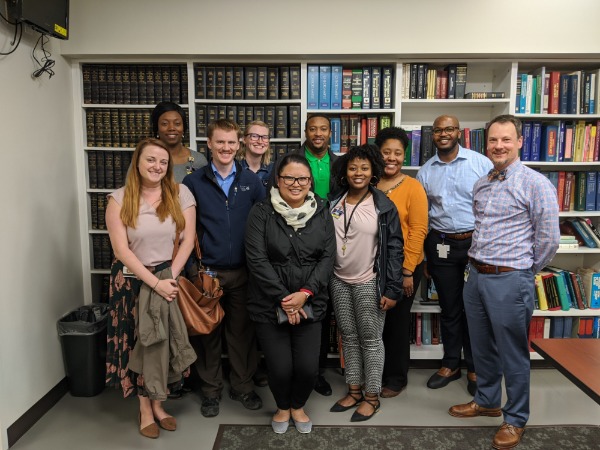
<point>456,236</point>
<point>488,269</point>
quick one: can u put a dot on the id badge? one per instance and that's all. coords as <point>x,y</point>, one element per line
<point>467,271</point>
<point>128,273</point>
<point>443,250</point>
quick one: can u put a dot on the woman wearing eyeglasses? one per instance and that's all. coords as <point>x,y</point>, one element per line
<point>255,154</point>
<point>290,248</point>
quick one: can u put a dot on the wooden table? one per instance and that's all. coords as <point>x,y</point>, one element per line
<point>577,359</point>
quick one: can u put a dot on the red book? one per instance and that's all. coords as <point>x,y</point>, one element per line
<point>363,131</point>
<point>560,190</point>
<point>467,135</point>
<point>371,129</point>
<point>418,330</point>
<point>554,94</point>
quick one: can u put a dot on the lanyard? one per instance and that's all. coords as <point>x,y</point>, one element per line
<point>347,224</point>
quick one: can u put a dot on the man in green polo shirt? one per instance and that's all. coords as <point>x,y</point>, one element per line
<point>316,150</point>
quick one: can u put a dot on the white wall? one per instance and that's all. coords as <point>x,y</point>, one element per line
<point>333,27</point>
<point>40,266</point>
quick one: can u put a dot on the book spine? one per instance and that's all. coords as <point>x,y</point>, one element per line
<point>461,80</point>
<point>336,125</point>
<point>150,98</point>
<point>366,88</point>
<point>261,83</point>
<point>250,88</point>
<point>92,168</point>
<point>229,83</point>
<point>285,83</point>
<point>346,89</point>
<point>118,169</point>
<point>324,87</point>
<point>86,78</point>
<point>376,87</point>
<point>336,87</point>
<point>294,119</point>
<point>387,87</point>
<point>238,83</point>
<point>134,93</point>
<point>312,91</point>
<point>159,95</point>
<point>357,83</point>
<point>294,83</point>
<point>281,121</point>
<point>273,83</point>
<point>165,77</point>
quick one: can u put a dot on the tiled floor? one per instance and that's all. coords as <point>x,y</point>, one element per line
<point>109,421</point>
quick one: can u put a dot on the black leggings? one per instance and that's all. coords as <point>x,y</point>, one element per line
<point>292,356</point>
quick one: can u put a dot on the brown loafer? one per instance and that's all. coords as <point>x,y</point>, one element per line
<point>386,392</point>
<point>507,436</point>
<point>168,423</point>
<point>472,409</point>
<point>151,431</point>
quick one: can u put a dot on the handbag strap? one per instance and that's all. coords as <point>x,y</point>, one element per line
<point>196,246</point>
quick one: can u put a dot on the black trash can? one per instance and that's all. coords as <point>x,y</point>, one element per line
<point>83,338</point>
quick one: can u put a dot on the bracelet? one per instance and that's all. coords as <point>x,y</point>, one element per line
<point>408,276</point>
<point>154,288</point>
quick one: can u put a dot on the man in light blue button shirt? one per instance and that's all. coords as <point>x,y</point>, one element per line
<point>448,178</point>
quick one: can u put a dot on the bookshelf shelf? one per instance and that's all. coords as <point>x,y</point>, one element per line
<point>112,149</point>
<point>204,101</point>
<point>436,103</point>
<point>123,106</point>
<point>558,116</point>
<point>580,251</point>
<point>561,165</point>
<point>100,271</point>
<point>426,351</point>
<point>579,213</point>
<point>349,111</point>
<point>417,307</point>
<point>570,313</point>
<point>93,231</point>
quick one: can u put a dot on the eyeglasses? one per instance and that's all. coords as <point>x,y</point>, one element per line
<point>447,130</point>
<point>289,181</point>
<point>255,137</point>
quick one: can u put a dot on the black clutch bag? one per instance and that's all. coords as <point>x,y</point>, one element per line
<point>307,308</point>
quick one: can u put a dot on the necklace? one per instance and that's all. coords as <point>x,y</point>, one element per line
<point>347,224</point>
<point>395,186</point>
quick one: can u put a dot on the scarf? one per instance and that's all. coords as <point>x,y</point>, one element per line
<point>294,217</point>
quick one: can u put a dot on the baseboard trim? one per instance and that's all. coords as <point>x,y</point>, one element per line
<point>35,413</point>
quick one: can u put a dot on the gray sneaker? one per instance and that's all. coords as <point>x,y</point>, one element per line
<point>280,427</point>
<point>303,427</point>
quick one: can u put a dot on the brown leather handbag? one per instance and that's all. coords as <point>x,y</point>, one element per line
<point>199,298</point>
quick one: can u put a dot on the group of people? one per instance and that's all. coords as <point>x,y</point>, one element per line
<point>318,232</point>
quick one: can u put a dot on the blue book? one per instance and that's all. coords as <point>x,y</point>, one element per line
<point>527,136</point>
<point>557,325</point>
<point>563,292</point>
<point>324,87</point>
<point>596,328</point>
<point>589,241</point>
<point>426,328</point>
<point>523,98</point>
<point>336,129</point>
<point>597,192</point>
<point>553,177</point>
<point>536,137</point>
<point>560,145</point>
<point>573,94</point>
<point>415,153</point>
<point>563,96</point>
<point>548,143</point>
<point>336,87</point>
<point>312,85</point>
<point>590,190</point>
<point>567,327</point>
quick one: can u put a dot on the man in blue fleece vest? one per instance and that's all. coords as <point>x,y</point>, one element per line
<point>224,195</point>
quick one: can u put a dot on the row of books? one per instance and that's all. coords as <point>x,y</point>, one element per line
<point>134,83</point>
<point>425,329</point>
<point>563,141</point>
<point>336,87</point>
<point>283,120</point>
<point>563,327</point>
<point>543,91</point>
<point>350,130</point>
<point>278,149</point>
<point>102,253</point>
<point>117,127</point>
<point>421,81</point>
<point>106,169</point>
<point>247,82</point>
<point>559,289</point>
<point>583,230</point>
<point>98,202</point>
<point>576,191</point>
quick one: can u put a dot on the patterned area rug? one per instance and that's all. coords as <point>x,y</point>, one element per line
<point>258,437</point>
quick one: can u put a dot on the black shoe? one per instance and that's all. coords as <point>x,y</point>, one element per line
<point>175,395</point>
<point>210,406</point>
<point>442,377</point>
<point>358,417</point>
<point>472,383</point>
<point>251,400</point>
<point>322,386</point>
<point>260,378</point>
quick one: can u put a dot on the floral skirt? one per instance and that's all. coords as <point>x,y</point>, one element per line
<point>122,333</point>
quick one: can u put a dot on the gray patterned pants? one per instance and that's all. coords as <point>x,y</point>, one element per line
<point>360,322</point>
